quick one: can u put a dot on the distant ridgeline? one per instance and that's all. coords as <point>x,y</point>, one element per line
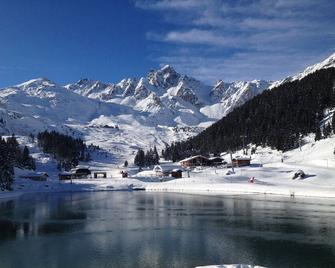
<point>275,118</point>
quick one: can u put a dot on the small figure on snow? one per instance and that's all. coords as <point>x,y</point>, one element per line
<point>124,174</point>
<point>299,174</point>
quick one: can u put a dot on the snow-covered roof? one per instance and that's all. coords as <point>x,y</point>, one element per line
<point>214,157</point>
<point>80,167</point>
<point>241,158</point>
<point>193,157</point>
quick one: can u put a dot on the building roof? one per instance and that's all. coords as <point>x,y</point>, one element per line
<point>80,167</point>
<point>215,157</point>
<point>193,157</point>
<point>242,158</point>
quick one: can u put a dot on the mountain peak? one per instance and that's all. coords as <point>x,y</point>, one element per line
<point>219,83</point>
<point>326,63</point>
<point>37,82</point>
<point>167,69</point>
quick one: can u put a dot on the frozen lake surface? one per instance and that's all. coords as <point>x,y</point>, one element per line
<point>147,229</point>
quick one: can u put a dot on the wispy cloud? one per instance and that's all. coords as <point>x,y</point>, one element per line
<point>170,4</point>
<point>243,39</point>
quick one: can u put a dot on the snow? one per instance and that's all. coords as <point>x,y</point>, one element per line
<point>327,63</point>
<point>153,110</point>
<point>271,176</point>
<point>231,95</point>
<point>160,108</point>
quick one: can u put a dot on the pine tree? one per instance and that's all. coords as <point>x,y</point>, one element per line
<point>140,158</point>
<point>25,157</point>
<point>156,156</point>
<point>67,150</point>
<point>267,119</point>
<point>15,153</point>
<point>327,130</point>
<point>6,166</point>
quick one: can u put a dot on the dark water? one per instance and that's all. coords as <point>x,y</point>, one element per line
<point>124,229</point>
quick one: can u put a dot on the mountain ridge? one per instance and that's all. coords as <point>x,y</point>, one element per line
<point>156,109</point>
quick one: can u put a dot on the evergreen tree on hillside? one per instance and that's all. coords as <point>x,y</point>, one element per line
<point>6,166</point>
<point>15,153</point>
<point>156,156</point>
<point>140,158</point>
<point>318,135</point>
<point>66,149</point>
<point>275,118</point>
<point>327,130</point>
<point>146,159</point>
<point>12,156</point>
<point>27,161</point>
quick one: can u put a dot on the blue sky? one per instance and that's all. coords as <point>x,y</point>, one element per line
<point>66,40</point>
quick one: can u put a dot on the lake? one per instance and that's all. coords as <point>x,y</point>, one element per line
<point>145,229</point>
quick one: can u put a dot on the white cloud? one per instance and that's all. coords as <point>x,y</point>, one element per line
<point>243,39</point>
<point>202,37</point>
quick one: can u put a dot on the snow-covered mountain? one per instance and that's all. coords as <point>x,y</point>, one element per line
<point>161,107</point>
<point>327,63</point>
<point>168,91</point>
<point>227,96</point>
<point>156,109</point>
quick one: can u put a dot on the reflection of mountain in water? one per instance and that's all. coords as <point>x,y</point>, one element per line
<point>127,229</point>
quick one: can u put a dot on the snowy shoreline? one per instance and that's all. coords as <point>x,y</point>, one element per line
<point>272,176</point>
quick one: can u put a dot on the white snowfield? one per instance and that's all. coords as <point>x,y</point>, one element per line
<point>155,110</point>
<point>271,175</point>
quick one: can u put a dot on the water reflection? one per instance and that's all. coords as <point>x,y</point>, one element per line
<point>122,229</point>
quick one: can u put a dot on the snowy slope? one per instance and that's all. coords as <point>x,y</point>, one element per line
<point>40,104</point>
<point>186,100</point>
<point>120,129</point>
<point>161,107</point>
<point>231,95</point>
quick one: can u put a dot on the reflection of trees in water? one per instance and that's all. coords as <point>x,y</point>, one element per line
<point>29,216</point>
<point>123,229</point>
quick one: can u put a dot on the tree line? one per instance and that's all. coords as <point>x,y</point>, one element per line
<point>148,158</point>
<point>277,118</point>
<point>12,155</point>
<point>68,151</point>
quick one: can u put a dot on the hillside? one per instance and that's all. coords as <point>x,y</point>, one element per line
<point>163,107</point>
<point>276,118</point>
<point>157,109</point>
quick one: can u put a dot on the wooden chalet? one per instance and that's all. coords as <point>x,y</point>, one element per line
<point>194,161</point>
<point>79,172</point>
<point>161,172</point>
<point>216,161</point>
<point>240,161</point>
<point>177,173</point>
